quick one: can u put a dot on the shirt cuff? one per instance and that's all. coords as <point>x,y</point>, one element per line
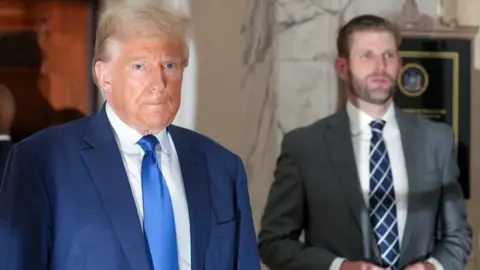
<point>336,264</point>
<point>436,263</point>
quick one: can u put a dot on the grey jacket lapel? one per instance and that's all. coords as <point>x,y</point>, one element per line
<point>413,142</point>
<point>339,144</point>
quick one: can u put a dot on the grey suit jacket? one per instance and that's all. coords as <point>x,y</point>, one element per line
<point>317,190</point>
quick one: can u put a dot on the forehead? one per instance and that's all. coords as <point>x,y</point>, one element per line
<point>146,47</point>
<point>372,40</point>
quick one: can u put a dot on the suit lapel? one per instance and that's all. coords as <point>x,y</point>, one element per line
<point>413,142</point>
<point>340,148</point>
<point>103,161</point>
<point>195,178</point>
<point>339,143</point>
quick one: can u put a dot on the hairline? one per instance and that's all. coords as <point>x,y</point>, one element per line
<point>119,40</point>
<point>179,31</point>
<point>372,30</point>
<point>356,25</point>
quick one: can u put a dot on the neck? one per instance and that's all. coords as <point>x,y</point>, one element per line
<point>374,110</point>
<point>141,129</point>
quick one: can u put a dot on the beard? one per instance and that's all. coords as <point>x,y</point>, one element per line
<point>359,88</point>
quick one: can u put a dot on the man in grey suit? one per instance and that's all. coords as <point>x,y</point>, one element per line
<point>372,187</point>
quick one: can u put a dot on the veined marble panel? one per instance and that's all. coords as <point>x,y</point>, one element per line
<point>307,93</point>
<point>305,29</point>
<point>259,87</point>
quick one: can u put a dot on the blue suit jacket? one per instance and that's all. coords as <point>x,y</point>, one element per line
<point>4,150</point>
<point>66,203</point>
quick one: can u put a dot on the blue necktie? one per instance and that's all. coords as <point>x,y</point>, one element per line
<point>383,211</point>
<point>158,220</point>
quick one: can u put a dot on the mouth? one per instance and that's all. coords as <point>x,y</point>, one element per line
<point>381,83</point>
<point>381,80</point>
<point>155,102</point>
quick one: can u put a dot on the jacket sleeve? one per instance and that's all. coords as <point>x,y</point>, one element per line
<point>247,252</point>
<point>24,214</point>
<point>455,243</point>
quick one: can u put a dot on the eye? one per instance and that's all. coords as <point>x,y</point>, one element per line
<point>366,55</point>
<point>170,66</point>
<point>138,66</point>
<point>389,55</point>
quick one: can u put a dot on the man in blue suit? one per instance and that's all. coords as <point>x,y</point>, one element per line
<point>124,189</point>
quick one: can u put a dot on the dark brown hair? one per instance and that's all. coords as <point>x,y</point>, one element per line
<point>364,23</point>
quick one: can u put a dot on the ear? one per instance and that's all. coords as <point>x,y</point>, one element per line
<point>341,67</point>
<point>103,73</point>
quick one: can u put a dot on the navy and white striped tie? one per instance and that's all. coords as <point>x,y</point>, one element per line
<point>383,210</point>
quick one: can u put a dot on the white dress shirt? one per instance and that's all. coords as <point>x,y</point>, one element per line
<point>132,155</point>
<point>361,134</point>
<point>5,137</point>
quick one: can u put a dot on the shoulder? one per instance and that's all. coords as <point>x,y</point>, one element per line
<point>304,136</point>
<point>437,138</point>
<point>53,138</point>
<point>434,130</point>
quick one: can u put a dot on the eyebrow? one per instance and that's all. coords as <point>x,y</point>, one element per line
<point>172,59</point>
<point>371,51</point>
<point>166,59</point>
<point>139,58</point>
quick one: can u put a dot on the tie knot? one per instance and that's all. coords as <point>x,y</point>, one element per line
<point>377,126</point>
<point>148,143</point>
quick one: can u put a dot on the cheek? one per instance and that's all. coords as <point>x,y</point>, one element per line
<point>176,92</point>
<point>394,70</point>
<point>174,88</point>
<point>361,70</point>
<point>135,89</point>
<point>359,75</point>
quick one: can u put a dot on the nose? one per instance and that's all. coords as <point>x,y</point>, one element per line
<point>159,80</point>
<point>380,63</point>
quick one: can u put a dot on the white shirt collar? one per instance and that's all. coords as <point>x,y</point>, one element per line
<point>5,137</point>
<point>128,137</point>
<point>360,121</point>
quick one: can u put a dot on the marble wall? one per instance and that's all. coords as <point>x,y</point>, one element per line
<point>235,88</point>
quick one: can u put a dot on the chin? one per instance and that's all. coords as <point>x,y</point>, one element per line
<point>381,94</point>
<point>156,124</point>
<point>157,127</point>
<point>378,100</point>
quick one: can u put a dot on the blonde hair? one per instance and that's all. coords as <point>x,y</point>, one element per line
<point>130,21</point>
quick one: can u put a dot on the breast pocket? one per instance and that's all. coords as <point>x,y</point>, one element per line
<point>224,222</point>
<point>225,229</point>
<point>221,247</point>
<point>223,239</point>
<point>223,210</point>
